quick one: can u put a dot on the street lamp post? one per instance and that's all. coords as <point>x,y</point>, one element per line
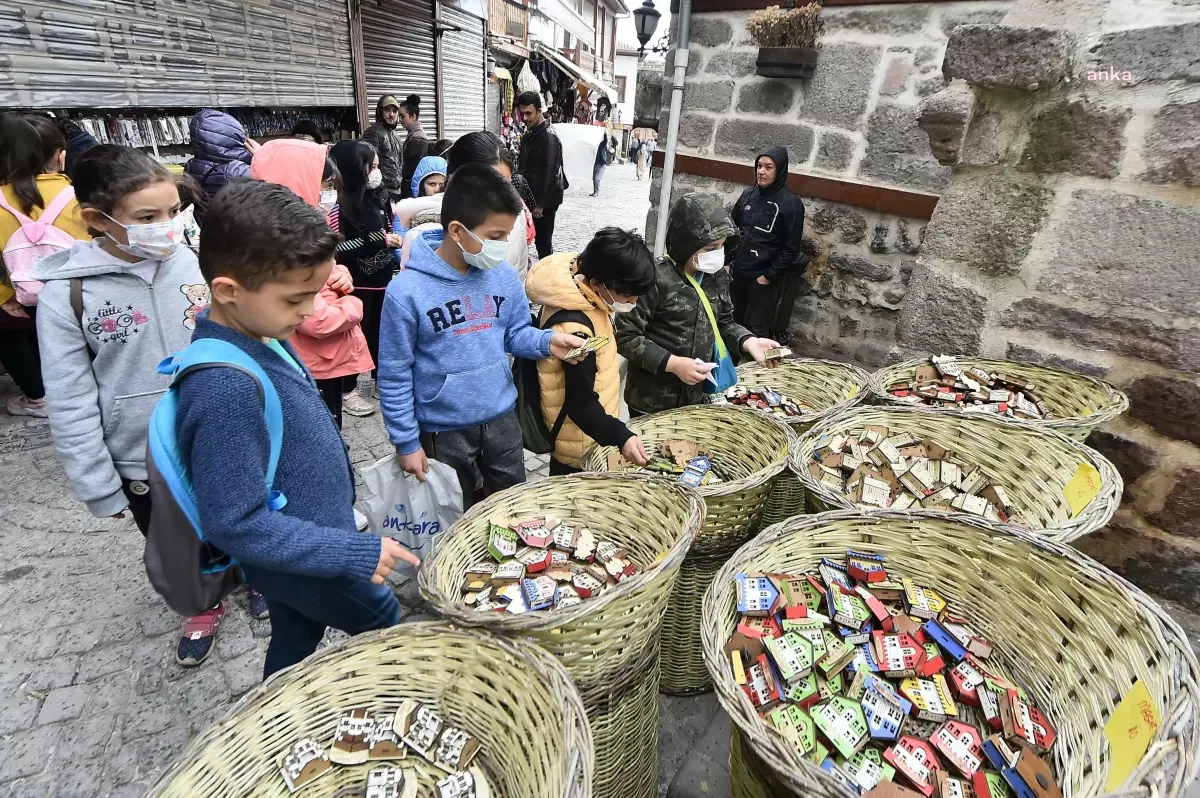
<point>645,20</point>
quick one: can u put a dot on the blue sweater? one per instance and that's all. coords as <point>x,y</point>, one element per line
<point>444,343</point>
<point>223,438</point>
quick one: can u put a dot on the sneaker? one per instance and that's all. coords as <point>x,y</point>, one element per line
<point>199,634</point>
<point>360,520</point>
<point>24,406</point>
<point>258,606</point>
<point>354,405</point>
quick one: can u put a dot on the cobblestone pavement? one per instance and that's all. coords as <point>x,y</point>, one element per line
<point>623,201</point>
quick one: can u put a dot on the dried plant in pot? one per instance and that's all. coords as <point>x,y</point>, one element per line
<point>787,40</point>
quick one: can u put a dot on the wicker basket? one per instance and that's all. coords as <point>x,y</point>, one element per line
<point>608,644</point>
<point>1033,464</point>
<point>751,448</point>
<point>826,385</point>
<point>1079,403</point>
<point>1072,632</point>
<point>510,695</point>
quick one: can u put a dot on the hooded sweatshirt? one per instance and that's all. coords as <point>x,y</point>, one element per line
<point>134,315</point>
<point>444,343</point>
<point>770,222</point>
<point>330,341</point>
<point>422,210</point>
<point>429,165</point>
<point>219,150</point>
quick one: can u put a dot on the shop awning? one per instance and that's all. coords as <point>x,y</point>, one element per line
<point>576,71</point>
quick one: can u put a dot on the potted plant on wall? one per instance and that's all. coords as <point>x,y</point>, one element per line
<point>787,40</point>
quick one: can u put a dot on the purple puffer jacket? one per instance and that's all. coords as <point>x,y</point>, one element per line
<point>218,141</point>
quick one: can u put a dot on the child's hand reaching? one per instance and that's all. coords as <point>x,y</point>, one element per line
<point>416,463</point>
<point>390,553</point>
<point>562,343</point>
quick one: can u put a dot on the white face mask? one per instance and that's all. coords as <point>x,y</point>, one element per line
<point>618,307</point>
<point>328,200</point>
<point>710,262</point>
<point>151,241</point>
<point>374,179</point>
<point>493,253</point>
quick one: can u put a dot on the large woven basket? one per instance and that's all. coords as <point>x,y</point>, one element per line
<point>1079,403</point>
<point>1072,632</point>
<point>608,644</point>
<point>747,446</point>
<point>825,385</point>
<point>510,695</point>
<point>1033,464</point>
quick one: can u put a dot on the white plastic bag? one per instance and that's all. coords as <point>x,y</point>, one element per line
<point>400,506</point>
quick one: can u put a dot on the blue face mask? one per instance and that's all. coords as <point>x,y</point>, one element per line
<point>492,253</point>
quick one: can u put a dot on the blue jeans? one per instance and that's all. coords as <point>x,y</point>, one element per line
<point>302,606</point>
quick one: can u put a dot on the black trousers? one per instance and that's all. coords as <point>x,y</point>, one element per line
<point>544,231</point>
<point>372,300</point>
<point>788,290</point>
<point>19,354</point>
<point>765,310</point>
<point>331,392</point>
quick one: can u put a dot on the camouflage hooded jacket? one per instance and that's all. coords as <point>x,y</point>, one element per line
<point>670,320</point>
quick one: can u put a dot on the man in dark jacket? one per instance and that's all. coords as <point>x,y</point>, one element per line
<point>541,162</point>
<point>221,151</point>
<point>387,142</point>
<point>770,221</point>
<point>605,154</point>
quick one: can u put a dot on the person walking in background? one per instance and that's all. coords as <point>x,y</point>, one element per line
<point>221,152</point>
<point>33,151</point>
<point>640,157</point>
<point>416,145</point>
<point>770,222</point>
<point>541,161</point>
<point>383,137</point>
<point>605,153</point>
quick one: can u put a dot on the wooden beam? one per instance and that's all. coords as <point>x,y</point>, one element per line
<point>898,201</point>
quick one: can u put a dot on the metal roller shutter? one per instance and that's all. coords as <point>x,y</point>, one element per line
<point>123,53</point>
<point>463,78</point>
<point>398,54</point>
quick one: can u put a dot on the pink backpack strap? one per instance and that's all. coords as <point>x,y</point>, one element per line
<point>57,205</point>
<point>21,218</point>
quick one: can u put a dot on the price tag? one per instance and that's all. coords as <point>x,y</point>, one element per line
<point>1129,732</point>
<point>853,391</point>
<point>1082,488</point>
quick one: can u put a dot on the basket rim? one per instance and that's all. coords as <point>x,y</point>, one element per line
<point>862,377</point>
<point>548,669</point>
<point>785,763</point>
<point>1116,404</point>
<point>720,489</point>
<point>1098,512</point>
<point>453,608</point>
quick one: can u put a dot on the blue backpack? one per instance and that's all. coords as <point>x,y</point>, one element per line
<point>189,573</point>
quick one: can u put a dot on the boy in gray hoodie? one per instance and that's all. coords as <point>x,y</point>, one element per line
<point>110,311</point>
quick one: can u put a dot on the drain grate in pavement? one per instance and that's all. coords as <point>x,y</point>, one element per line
<point>24,437</point>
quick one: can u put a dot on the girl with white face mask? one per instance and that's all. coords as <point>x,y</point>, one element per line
<point>681,340</point>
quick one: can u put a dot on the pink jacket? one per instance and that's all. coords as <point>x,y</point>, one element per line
<point>330,341</point>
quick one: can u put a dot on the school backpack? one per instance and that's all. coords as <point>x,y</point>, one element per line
<point>32,242</point>
<point>535,436</point>
<point>191,574</point>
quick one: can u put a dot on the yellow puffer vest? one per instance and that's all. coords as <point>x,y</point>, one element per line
<point>551,283</point>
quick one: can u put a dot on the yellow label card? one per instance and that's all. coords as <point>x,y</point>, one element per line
<point>1129,732</point>
<point>1082,488</point>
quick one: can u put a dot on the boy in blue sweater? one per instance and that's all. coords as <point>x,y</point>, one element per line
<point>265,254</point>
<point>450,320</point>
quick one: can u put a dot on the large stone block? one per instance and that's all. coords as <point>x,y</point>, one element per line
<point>895,77</point>
<point>1123,248</point>
<point>734,65</point>
<point>944,117</point>
<point>861,267</point>
<point>710,32</point>
<point>1170,406</point>
<point>1031,355</point>
<point>834,152</point>
<point>715,96</point>
<point>999,56</point>
<point>1165,52</point>
<point>839,90</point>
<point>890,21</point>
<point>1158,564</point>
<point>953,19</point>
<point>919,172</point>
<point>1172,149</point>
<point>987,222</point>
<point>695,61</point>
<point>849,222</point>
<point>940,316</point>
<point>1180,513</point>
<point>1131,458</point>
<point>893,128</point>
<point>695,130</point>
<point>745,138</point>
<point>1078,138</point>
<point>766,97</point>
<point>1134,336</point>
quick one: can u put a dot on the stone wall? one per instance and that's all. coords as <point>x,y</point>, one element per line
<point>856,119</point>
<point>1070,235</point>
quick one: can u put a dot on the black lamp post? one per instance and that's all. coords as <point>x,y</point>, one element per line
<point>645,20</point>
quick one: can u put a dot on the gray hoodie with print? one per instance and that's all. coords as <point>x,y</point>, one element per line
<point>134,315</point>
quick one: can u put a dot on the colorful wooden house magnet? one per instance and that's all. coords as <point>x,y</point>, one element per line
<point>865,567</point>
<point>864,660</point>
<point>931,698</point>
<point>837,656</point>
<point>833,573</point>
<point>538,532</point>
<point>534,559</point>
<point>813,632</point>
<point>989,784</point>
<point>539,593</point>
<point>864,770</point>
<point>508,572</point>
<point>830,767</point>
<point>792,655</point>
<point>879,612</point>
<point>922,602</point>
<point>916,761</point>
<point>805,692</point>
<point>479,576</point>
<point>1029,726</point>
<point>585,584</point>
<point>885,720</point>
<point>303,763</point>
<point>796,727</point>
<point>1037,775</point>
<point>421,731</point>
<point>460,785</point>
<point>585,546</point>
<point>947,641</point>
<point>934,661</point>
<point>847,608</point>
<point>843,723</point>
<point>760,628</point>
<point>898,654</point>
<point>761,686</point>
<point>389,782</point>
<point>757,596</point>
<point>961,745</point>
<point>566,596</point>
<point>384,741</point>
<point>950,787</point>
<point>351,740</point>
<point>455,750</point>
<point>965,682</point>
<point>502,541</point>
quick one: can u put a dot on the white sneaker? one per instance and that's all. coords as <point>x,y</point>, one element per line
<point>360,520</point>
<point>24,406</point>
<point>353,404</point>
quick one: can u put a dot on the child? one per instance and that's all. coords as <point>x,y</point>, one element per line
<point>579,294</point>
<point>429,178</point>
<point>672,328</point>
<point>108,328</point>
<point>450,321</point>
<point>266,254</point>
